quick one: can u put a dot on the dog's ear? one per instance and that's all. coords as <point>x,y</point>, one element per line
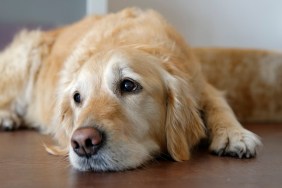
<point>61,127</point>
<point>184,127</point>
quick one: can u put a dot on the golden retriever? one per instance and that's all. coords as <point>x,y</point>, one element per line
<point>116,91</point>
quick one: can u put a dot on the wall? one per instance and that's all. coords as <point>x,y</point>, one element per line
<point>237,23</point>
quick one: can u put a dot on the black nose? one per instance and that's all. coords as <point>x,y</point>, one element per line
<point>86,141</point>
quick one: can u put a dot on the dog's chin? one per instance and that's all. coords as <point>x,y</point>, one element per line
<point>107,159</point>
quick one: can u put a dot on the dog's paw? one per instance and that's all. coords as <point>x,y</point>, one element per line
<point>9,121</point>
<point>237,142</point>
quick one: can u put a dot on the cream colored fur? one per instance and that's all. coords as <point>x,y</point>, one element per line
<point>174,109</point>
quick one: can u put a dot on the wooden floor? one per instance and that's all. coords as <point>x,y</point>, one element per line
<point>24,163</point>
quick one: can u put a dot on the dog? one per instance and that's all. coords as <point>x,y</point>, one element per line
<point>116,91</point>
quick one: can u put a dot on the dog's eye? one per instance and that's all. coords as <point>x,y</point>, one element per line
<point>128,86</point>
<point>77,97</point>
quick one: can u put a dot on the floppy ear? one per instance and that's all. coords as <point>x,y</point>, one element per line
<point>184,127</point>
<point>61,127</point>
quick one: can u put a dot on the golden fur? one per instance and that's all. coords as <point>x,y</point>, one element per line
<point>176,108</point>
<point>253,87</point>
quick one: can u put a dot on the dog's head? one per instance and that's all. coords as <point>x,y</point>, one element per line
<point>127,92</point>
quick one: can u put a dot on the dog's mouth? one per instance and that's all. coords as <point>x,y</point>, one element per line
<point>95,162</point>
<point>104,160</point>
<point>118,155</point>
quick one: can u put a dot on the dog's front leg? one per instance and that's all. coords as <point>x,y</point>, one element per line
<point>228,137</point>
<point>17,63</point>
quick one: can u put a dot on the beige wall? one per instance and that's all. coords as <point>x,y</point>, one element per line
<point>229,23</point>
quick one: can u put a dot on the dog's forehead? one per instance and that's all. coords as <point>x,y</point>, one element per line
<point>105,69</point>
<point>121,65</point>
<point>104,72</point>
